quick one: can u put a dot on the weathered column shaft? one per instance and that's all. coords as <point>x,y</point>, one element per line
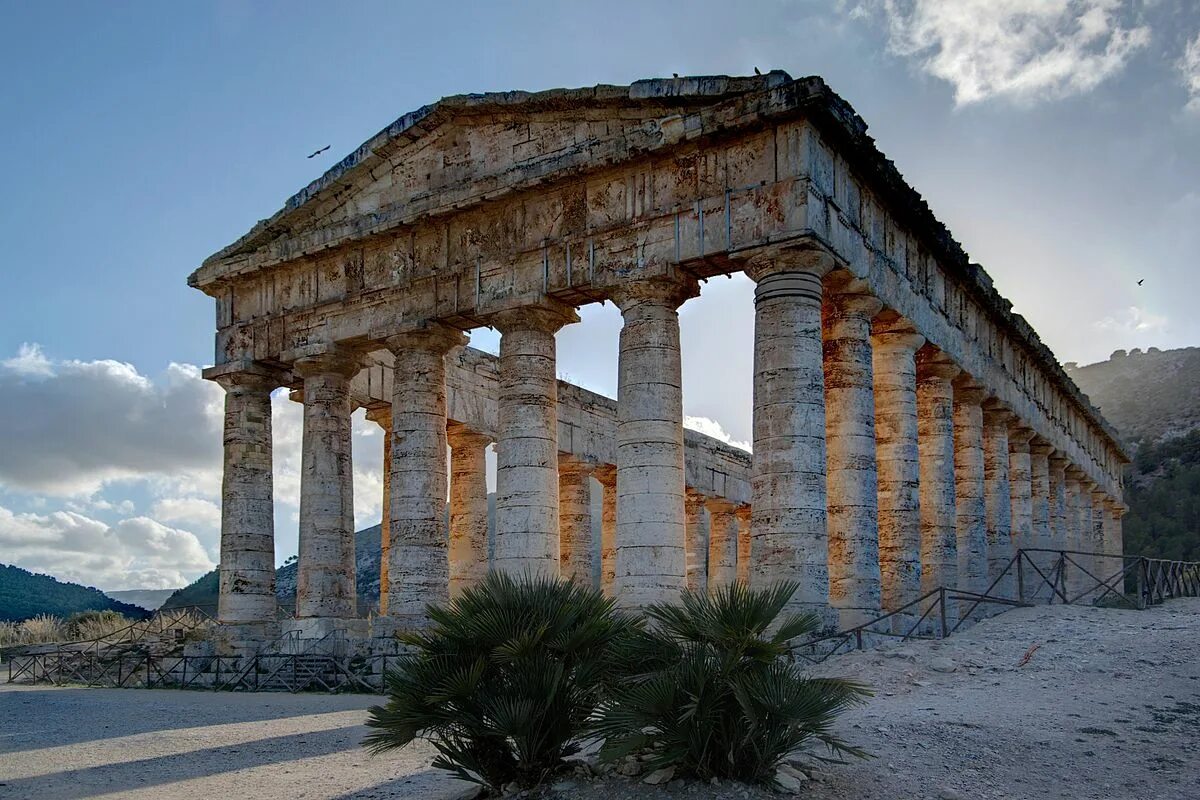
<point>1059,532</point>
<point>1020,486</point>
<point>607,475</point>
<point>969,491</point>
<point>1103,567</point>
<point>998,499</point>
<point>468,557</point>
<point>1074,532</point>
<point>1113,540</point>
<point>788,538</point>
<point>247,578</point>
<point>896,445</point>
<point>527,445</point>
<point>722,544</point>
<point>418,569</point>
<point>938,509</point>
<point>1039,495</point>
<point>578,559</point>
<point>852,483</point>
<point>651,529</point>
<point>325,583</point>
<point>697,541</point>
<point>742,513</point>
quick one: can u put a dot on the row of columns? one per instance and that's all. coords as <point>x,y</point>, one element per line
<point>880,469</point>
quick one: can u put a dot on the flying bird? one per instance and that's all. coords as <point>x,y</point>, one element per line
<point>318,152</point>
<point>1140,281</point>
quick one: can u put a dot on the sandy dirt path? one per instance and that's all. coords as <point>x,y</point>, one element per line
<point>1107,706</point>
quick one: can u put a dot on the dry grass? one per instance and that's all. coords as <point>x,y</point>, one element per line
<point>45,628</point>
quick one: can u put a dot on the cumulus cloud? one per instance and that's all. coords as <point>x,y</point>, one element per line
<point>710,427</point>
<point>1133,320</point>
<point>71,427</point>
<point>1020,49</point>
<point>189,511</point>
<point>134,553</point>
<point>1189,68</point>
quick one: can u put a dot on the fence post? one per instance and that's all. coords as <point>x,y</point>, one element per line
<point>942,610</point>
<point>1063,574</point>
<point>1141,584</point>
<point>1021,577</point>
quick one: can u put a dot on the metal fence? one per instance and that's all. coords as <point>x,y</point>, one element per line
<point>1033,576</point>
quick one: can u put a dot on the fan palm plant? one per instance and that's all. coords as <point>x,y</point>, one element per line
<point>714,692</point>
<point>505,679</point>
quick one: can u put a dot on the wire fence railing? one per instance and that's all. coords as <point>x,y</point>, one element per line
<point>1033,576</point>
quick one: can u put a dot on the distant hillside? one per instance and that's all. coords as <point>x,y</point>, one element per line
<point>24,594</point>
<point>149,599</point>
<point>1153,400</point>
<point>1148,395</point>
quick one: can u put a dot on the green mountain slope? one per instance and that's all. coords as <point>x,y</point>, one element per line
<point>24,594</point>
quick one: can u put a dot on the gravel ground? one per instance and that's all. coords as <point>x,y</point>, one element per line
<point>1107,706</point>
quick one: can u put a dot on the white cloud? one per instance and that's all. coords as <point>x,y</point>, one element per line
<point>710,427</point>
<point>1020,49</point>
<point>72,427</point>
<point>30,361</point>
<point>1189,68</point>
<point>1133,320</point>
<point>189,511</point>
<point>134,553</point>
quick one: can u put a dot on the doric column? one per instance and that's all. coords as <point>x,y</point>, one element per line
<point>1020,485</point>
<point>742,513</point>
<point>418,566</point>
<point>247,579</point>
<point>1059,535</point>
<point>697,541</point>
<point>853,486</point>
<point>577,549</point>
<point>938,509</point>
<point>382,416</point>
<point>607,475</point>
<point>651,529</point>
<point>1039,494</point>
<point>722,543</point>
<point>1074,529</point>
<point>325,575</point>
<point>894,348</point>
<point>788,519</point>
<point>527,443</point>
<point>970,505</point>
<point>998,497</point>
<point>1101,567</point>
<point>1113,540</point>
<point>468,557</point>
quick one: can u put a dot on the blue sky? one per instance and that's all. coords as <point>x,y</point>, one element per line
<point>1058,139</point>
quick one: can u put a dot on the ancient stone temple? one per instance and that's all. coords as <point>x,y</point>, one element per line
<point>909,430</point>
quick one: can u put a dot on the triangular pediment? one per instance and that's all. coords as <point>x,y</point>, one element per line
<point>462,148</point>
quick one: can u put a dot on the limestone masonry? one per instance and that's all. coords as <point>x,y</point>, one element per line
<point>909,430</point>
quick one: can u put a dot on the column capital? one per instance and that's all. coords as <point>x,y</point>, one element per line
<point>570,464</point>
<point>967,390</point>
<point>432,336</point>
<point>1075,474</point>
<point>890,331</point>
<point>719,505</point>
<point>933,363</point>
<point>661,290</point>
<point>997,414</point>
<point>459,435</point>
<point>246,375</point>
<point>1058,462</point>
<point>853,302</point>
<point>381,416</point>
<point>326,359</point>
<point>548,316</point>
<point>1099,496</point>
<point>772,261</point>
<point>1019,436</point>
<point>693,498</point>
<point>606,474</point>
<point>742,512</point>
<point>1041,447</point>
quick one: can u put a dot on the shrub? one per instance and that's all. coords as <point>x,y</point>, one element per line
<point>715,692</point>
<point>40,629</point>
<point>505,680</point>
